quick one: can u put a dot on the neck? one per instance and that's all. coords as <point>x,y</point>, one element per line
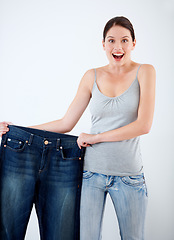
<point>120,68</point>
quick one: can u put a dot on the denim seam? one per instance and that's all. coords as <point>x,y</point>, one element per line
<point>45,167</point>
<point>16,136</point>
<point>88,175</point>
<point>133,184</point>
<point>17,150</point>
<point>39,218</point>
<point>64,158</point>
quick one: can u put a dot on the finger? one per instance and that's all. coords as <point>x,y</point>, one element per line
<point>79,145</point>
<point>4,129</point>
<point>2,133</point>
<point>86,144</point>
<point>4,124</point>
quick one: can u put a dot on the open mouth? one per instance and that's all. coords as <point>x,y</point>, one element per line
<point>118,56</point>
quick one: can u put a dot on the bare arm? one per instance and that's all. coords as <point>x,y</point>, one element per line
<point>75,110</point>
<point>147,80</point>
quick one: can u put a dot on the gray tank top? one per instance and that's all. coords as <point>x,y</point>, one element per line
<point>119,158</point>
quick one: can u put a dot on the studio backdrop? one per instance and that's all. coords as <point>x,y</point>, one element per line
<point>45,49</point>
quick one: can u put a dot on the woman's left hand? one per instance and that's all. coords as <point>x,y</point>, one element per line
<point>86,140</point>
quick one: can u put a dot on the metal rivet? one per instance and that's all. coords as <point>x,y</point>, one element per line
<point>60,147</point>
<point>5,145</point>
<point>46,142</point>
<point>26,141</point>
<point>80,158</point>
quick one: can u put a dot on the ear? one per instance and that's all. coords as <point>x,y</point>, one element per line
<point>133,44</point>
<point>103,43</point>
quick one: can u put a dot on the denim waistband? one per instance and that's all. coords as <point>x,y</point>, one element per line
<point>40,137</point>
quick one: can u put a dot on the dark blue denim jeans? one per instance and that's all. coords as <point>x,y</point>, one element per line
<point>42,168</point>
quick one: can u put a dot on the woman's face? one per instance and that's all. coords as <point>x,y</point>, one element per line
<point>118,45</point>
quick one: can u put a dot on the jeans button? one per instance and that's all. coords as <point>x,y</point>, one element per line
<point>46,142</point>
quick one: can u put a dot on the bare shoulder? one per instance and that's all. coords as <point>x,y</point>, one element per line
<point>147,69</point>
<point>89,73</point>
<point>102,69</point>
<point>147,73</point>
<point>88,79</point>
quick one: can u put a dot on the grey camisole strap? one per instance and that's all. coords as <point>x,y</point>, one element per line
<point>137,70</point>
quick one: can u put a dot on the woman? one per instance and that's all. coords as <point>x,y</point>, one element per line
<point>122,100</point>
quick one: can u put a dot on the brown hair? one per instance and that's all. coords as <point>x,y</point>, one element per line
<point>120,21</point>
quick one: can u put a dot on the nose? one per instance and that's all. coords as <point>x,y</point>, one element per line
<point>117,46</point>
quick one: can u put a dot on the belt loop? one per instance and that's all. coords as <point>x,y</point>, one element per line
<point>31,139</point>
<point>58,144</point>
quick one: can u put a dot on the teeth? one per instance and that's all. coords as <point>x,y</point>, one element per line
<point>117,54</point>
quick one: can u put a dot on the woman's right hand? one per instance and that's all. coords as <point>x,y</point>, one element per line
<point>4,128</point>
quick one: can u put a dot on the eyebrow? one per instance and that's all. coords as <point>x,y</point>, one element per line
<point>113,37</point>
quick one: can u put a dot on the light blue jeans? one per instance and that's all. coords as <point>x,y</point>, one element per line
<point>129,196</point>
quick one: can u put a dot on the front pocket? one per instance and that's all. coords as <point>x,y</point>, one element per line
<point>136,180</point>
<point>71,153</point>
<point>15,144</point>
<point>87,174</point>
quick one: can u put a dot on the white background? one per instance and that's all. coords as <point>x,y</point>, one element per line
<point>46,47</point>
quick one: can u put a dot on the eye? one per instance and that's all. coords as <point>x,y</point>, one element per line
<point>111,40</point>
<point>125,40</point>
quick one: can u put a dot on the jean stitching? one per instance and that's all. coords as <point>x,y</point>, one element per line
<point>32,153</point>
<point>17,150</point>
<point>47,164</point>
<point>88,175</point>
<point>39,216</point>
<point>133,184</point>
<point>16,136</point>
<point>64,158</point>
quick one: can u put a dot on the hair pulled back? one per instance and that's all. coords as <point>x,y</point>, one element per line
<point>120,21</point>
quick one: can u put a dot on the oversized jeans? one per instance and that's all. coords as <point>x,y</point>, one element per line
<point>42,168</point>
